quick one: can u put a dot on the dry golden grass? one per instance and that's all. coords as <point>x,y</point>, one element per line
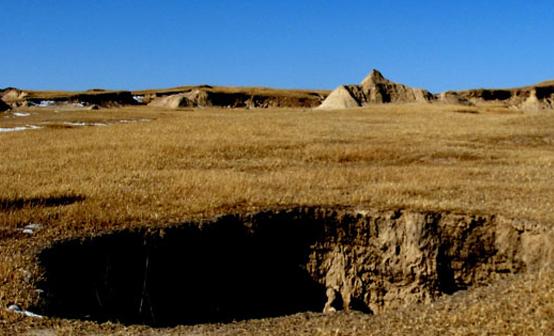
<point>189,164</point>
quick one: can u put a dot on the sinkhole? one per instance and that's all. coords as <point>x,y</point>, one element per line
<point>274,263</point>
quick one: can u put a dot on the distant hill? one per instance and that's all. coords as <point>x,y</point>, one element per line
<point>231,97</point>
<point>184,96</point>
<point>374,89</point>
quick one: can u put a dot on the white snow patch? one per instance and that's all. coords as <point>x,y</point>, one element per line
<point>128,121</point>
<point>46,103</point>
<point>82,123</point>
<point>59,104</point>
<point>12,129</point>
<point>75,123</point>
<point>17,309</point>
<point>31,228</point>
<point>19,128</point>
<point>21,114</point>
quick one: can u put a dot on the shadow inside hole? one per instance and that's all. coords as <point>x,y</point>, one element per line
<point>240,267</point>
<point>21,202</point>
<point>218,273</point>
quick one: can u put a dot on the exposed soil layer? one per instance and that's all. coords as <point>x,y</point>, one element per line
<point>531,98</point>
<point>282,262</point>
<point>92,98</point>
<point>181,97</point>
<point>102,99</point>
<point>238,98</point>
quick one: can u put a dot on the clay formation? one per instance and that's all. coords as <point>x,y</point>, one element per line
<point>374,89</point>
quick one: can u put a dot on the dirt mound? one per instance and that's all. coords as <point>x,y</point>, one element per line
<point>171,101</point>
<point>375,89</point>
<point>194,98</point>
<point>452,97</point>
<point>340,98</point>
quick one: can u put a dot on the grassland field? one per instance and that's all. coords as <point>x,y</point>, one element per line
<point>152,167</point>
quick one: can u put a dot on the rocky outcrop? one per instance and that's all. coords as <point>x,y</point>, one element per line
<point>374,89</point>
<point>535,98</point>
<point>13,97</point>
<point>538,100</point>
<point>172,101</point>
<point>88,99</point>
<point>236,98</point>
<point>378,89</point>
<point>453,98</point>
<point>534,104</point>
<point>340,98</point>
<point>193,98</point>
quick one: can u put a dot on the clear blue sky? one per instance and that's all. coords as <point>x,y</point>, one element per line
<point>132,44</point>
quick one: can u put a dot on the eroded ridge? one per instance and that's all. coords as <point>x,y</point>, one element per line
<point>282,262</point>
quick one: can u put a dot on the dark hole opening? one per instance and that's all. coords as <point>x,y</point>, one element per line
<point>267,264</point>
<point>217,273</point>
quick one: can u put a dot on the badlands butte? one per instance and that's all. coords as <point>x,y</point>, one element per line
<point>372,209</point>
<point>374,89</point>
